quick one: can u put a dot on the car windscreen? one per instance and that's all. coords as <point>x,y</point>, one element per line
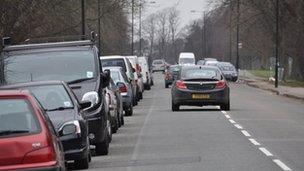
<point>200,73</point>
<point>115,75</point>
<point>174,68</point>
<point>52,97</point>
<point>17,117</point>
<point>226,67</point>
<point>114,62</point>
<point>187,61</point>
<point>158,62</point>
<point>64,65</point>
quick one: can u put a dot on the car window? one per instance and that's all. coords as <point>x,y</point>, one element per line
<point>200,73</point>
<point>114,62</point>
<point>115,76</point>
<point>187,61</point>
<point>65,65</point>
<point>158,62</point>
<point>227,68</point>
<point>17,117</point>
<point>52,96</point>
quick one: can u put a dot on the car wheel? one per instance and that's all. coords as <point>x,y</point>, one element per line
<point>103,147</point>
<point>82,163</point>
<point>166,85</point>
<point>152,83</point>
<point>122,120</point>
<point>225,106</point>
<point>109,126</point>
<point>140,95</point>
<point>129,111</point>
<point>175,107</point>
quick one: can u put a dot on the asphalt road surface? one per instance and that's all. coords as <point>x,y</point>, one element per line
<point>262,131</point>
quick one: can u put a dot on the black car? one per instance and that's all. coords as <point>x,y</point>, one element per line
<point>74,62</point>
<point>66,114</point>
<point>200,86</point>
<point>228,71</point>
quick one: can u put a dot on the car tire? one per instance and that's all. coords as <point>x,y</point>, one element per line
<point>225,106</point>
<point>129,111</point>
<point>152,83</point>
<point>148,87</point>
<point>103,147</point>
<point>166,85</point>
<point>135,102</point>
<point>140,95</point>
<point>122,120</point>
<point>82,163</point>
<point>175,107</point>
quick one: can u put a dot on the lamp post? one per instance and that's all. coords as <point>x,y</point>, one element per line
<point>204,32</point>
<point>237,36</point>
<point>99,36</point>
<point>277,45</point>
<point>82,18</point>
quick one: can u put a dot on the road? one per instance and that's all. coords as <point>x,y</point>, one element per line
<point>262,131</point>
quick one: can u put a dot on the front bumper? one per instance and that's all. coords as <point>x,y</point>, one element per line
<point>184,97</point>
<point>75,147</point>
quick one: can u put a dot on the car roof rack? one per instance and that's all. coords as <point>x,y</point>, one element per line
<point>50,42</point>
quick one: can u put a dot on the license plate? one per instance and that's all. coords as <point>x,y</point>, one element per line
<point>200,96</point>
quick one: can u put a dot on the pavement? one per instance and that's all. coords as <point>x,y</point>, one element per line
<point>262,132</point>
<point>261,83</point>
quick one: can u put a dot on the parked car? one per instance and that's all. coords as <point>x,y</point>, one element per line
<point>211,63</point>
<point>125,88</point>
<point>158,65</point>
<point>171,75</point>
<point>138,77</point>
<point>228,71</point>
<point>124,63</point>
<point>145,72</point>
<point>28,140</point>
<point>201,62</point>
<point>76,63</point>
<point>186,58</point>
<point>67,115</point>
<point>114,101</point>
<point>199,86</point>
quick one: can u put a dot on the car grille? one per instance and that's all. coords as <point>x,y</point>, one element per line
<point>200,87</point>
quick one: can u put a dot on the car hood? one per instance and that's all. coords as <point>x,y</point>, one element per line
<point>58,118</point>
<point>81,88</point>
<point>229,72</point>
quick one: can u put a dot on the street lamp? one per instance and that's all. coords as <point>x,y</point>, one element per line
<point>204,38</point>
<point>141,2</point>
<point>277,45</point>
<point>82,18</point>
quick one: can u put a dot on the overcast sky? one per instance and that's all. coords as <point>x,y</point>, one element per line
<point>184,6</point>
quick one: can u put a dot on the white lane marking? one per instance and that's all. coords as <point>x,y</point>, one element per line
<point>232,121</point>
<point>227,116</point>
<point>246,133</point>
<point>254,142</point>
<point>265,151</point>
<point>135,152</point>
<point>224,112</point>
<point>238,126</point>
<point>281,164</point>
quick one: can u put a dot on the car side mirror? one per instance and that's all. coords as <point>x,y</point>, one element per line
<point>133,70</point>
<point>105,78</point>
<point>85,104</point>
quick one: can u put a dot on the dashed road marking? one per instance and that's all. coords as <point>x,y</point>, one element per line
<point>254,142</point>
<point>232,121</point>
<point>246,133</point>
<point>238,126</point>
<point>227,116</point>
<point>224,112</point>
<point>265,151</point>
<point>281,164</point>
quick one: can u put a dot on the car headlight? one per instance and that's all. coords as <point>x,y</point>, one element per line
<point>72,127</point>
<point>92,97</point>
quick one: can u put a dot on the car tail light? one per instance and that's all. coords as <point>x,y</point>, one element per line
<point>123,88</point>
<point>45,154</point>
<point>180,84</point>
<point>220,84</point>
<point>168,76</point>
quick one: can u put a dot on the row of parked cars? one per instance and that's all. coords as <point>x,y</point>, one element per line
<point>59,99</point>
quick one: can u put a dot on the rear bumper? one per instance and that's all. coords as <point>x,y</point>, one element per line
<point>76,154</point>
<point>184,97</point>
<point>47,166</point>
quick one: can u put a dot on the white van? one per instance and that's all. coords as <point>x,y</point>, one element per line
<point>186,58</point>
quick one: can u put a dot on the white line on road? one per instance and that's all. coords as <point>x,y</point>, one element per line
<point>246,133</point>
<point>224,112</point>
<point>281,164</point>
<point>232,121</point>
<point>227,116</point>
<point>254,142</point>
<point>265,151</point>
<point>238,126</point>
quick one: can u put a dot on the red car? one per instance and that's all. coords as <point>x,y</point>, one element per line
<point>28,140</point>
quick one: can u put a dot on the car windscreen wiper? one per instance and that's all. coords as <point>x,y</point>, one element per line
<point>8,132</point>
<point>58,108</point>
<point>79,80</point>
